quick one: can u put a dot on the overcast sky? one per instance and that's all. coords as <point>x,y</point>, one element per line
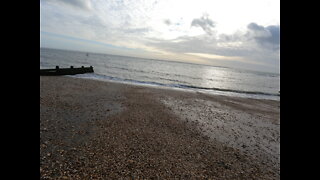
<point>233,33</point>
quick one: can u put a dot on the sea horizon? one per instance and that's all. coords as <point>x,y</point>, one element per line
<point>166,73</point>
<point>154,59</point>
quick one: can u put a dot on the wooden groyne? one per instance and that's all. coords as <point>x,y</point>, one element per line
<point>65,71</point>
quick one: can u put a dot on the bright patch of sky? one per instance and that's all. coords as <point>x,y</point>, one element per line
<point>210,32</point>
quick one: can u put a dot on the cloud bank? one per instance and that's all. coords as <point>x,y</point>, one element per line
<point>151,28</point>
<point>268,37</point>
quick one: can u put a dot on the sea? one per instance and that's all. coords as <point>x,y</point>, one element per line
<point>167,74</point>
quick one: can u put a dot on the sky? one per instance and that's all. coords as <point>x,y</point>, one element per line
<point>241,34</point>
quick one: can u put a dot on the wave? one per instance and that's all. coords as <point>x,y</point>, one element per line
<point>126,69</point>
<point>172,80</point>
<point>154,72</point>
<point>183,86</point>
<point>229,90</point>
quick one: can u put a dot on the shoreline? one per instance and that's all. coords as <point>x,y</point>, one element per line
<point>97,129</point>
<point>223,92</point>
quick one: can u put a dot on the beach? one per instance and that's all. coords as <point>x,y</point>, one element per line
<point>92,129</point>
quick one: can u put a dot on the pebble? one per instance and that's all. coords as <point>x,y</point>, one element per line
<point>168,149</point>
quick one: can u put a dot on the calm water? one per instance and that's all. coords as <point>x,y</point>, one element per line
<point>202,78</point>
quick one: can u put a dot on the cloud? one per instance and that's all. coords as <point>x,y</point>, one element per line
<point>136,30</point>
<point>205,23</point>
<point>167,22</point>
<point>255,27</point>
<point>80,4</point>
<point>257,46</point>
<point>267,37</point>
<point>214,56</point>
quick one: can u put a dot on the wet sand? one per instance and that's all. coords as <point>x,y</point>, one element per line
<point>103,130</point>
